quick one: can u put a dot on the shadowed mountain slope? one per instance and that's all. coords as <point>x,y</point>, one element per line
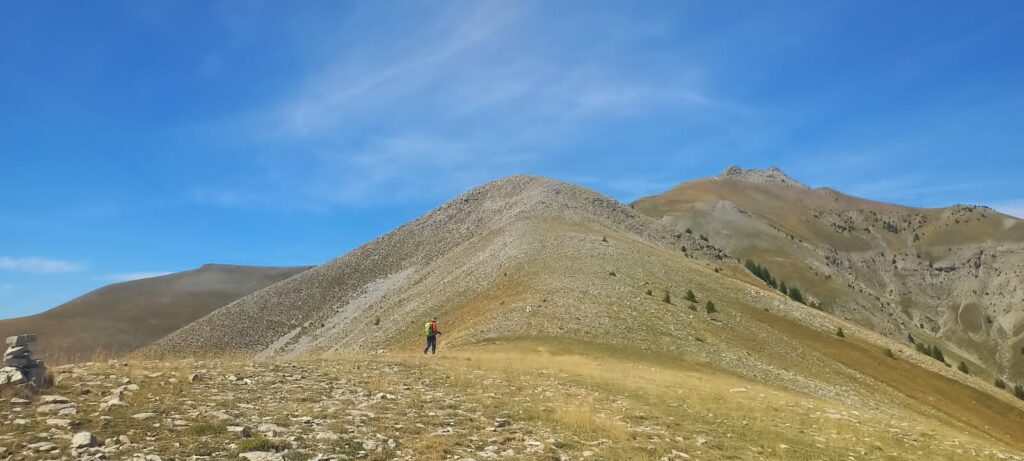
<point>122,317</point>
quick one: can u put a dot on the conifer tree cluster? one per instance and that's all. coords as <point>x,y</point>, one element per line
<point>765,275</point>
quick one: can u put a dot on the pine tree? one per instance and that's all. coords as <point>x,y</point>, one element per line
<point>937,354</point>
<point>796,295</point>
<point>782,288</point>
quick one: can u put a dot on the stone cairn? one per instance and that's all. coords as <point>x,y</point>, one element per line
<point>19,366</point>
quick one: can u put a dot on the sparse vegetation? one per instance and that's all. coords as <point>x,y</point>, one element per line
<point>206,428</point>
<point>765,275</point>
<point>931,351</point>
<point>261,443</point>
<point>376,320</point>
<point>889,353</point>
<point>649,292</point>
<point>604,239</point>
<point>667,299</point>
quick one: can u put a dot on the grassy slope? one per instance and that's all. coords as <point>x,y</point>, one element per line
<point>560,398</point>
<point>753,327</point>
<point>121,317</point>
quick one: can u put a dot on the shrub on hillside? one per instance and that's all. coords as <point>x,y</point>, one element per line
<point>690,296</point>
<point>839,332</point>
<point>1000,383</point>
<point>783,289</point>
<point>1018,391</point>
<point>667,299</point>
<point>710,307</point>
<point>963,368</point>
<point>931,351</point>
<point>888,353</point>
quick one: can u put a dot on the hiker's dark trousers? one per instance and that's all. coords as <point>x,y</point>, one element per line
<point>431,345</point>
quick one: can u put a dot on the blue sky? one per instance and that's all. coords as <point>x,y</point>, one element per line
<point>142,137</point>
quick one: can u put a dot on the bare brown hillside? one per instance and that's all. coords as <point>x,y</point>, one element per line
<point>529,267</point>
<point>122,317</point>
<point>947,276</point>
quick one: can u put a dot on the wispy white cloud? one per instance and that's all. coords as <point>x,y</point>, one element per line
<point>37,265</point>
<point>466,94</point>
<point>129,276</point>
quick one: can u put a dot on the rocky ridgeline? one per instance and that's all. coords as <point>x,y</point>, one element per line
<point>772,175</point>
<point>20,368</point>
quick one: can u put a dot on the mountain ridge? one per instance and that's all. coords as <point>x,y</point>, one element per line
<point>120,317</point>
<point>891,267</point>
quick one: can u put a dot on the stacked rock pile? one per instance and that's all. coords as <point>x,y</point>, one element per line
<point>19,366</point>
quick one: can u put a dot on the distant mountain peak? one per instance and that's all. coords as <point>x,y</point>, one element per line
<point>771,175</point>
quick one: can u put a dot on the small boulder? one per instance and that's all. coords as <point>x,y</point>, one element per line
<point>11,375</point>
<point>242,431</point>
<point>83,440</point>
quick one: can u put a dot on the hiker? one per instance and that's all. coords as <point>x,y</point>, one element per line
<point>431,330</point>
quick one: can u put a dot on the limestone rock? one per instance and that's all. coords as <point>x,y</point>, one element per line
<point>83,440</point>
